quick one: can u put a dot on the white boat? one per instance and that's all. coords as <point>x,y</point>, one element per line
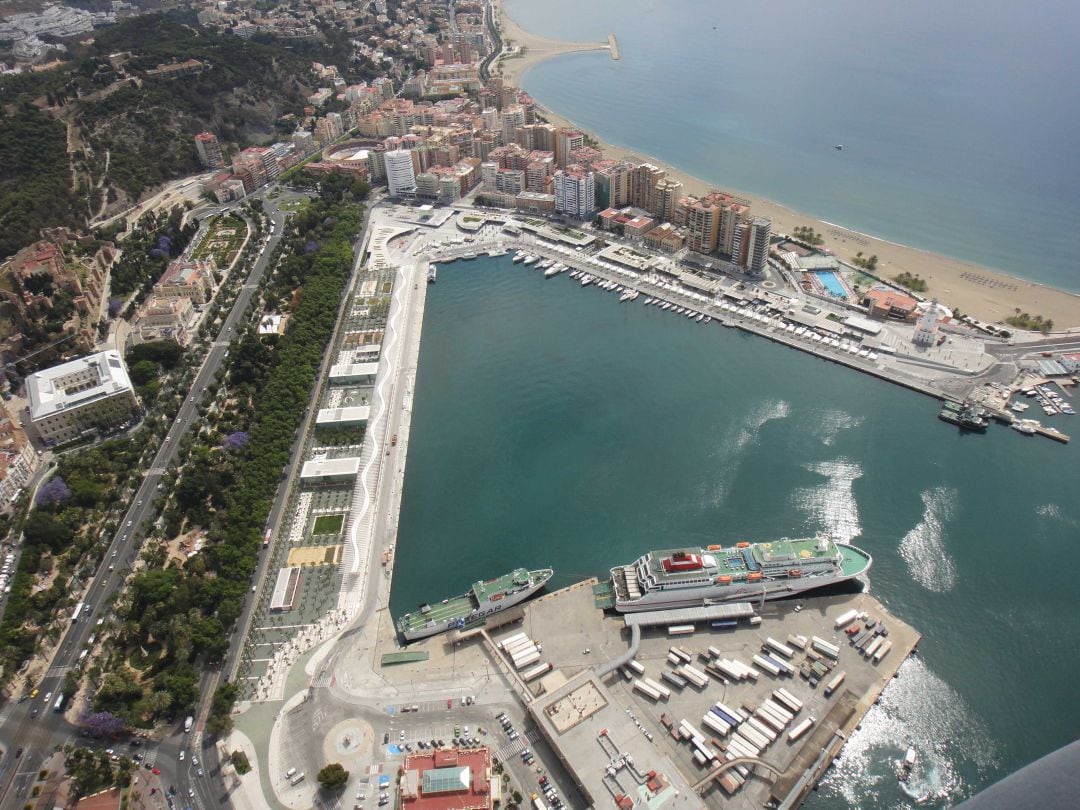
<point>708,319</point>
<point>626,296</point>
<point>586,280</point>
<point>530,259</point>
<point>519,256</point>
<point>575,273</point>
<point>546,263</point>
<point>1019,407</point>
<point>700,317</point>
<point>906,765</point>
<point>551,271</point>
<point>648,301</point>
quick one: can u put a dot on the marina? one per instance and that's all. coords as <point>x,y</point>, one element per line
<point>768,317</point>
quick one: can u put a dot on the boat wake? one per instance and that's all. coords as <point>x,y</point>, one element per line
<point>831,506</point>
<point>834,422</point>
<point>738,437</point>
<point>1053,512</point>
<point>923,548</point>
<point>919,710</point>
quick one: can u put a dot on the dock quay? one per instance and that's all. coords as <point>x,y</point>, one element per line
<point>613,44</point>
<point>583,717</point>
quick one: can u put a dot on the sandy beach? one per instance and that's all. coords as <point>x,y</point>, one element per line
<point>986,294</point>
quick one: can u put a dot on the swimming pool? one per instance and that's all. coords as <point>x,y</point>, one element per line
<point>831,283</point>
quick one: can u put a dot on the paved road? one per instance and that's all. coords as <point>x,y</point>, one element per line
<point>37,736</point>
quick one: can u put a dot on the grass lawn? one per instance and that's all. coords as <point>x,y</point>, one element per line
<point>328,524</point>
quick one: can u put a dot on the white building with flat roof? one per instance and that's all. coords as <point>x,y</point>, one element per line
<point>69,399</point>
<point>400,172</point>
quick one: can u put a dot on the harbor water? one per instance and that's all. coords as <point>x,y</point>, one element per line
<point>555,426</point>
<point>958,120</point>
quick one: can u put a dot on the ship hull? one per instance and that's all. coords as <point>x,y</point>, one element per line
<point>769,589</point>
<point>435,628</point>
<point>774,589</point>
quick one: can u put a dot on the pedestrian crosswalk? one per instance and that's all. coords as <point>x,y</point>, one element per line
<point>515,747</point>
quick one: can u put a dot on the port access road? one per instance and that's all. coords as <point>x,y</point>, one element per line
<point>38,735</point>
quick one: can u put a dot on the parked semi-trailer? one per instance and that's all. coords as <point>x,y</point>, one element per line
<point>783,649</point>
<point>834,684</point>
<point>846,618</point>
<point>673,678</point>
<point>800,729</point>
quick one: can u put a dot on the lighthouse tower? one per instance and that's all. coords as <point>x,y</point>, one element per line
<point>927,329</point>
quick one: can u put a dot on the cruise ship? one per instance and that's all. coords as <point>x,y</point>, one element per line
<point>482,600</point>
<point>694,577</point>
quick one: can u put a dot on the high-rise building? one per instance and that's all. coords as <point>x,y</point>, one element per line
<point>575,192</point>
<point>206,144</point>
<point>613,186</point>
<point>665,199</point>
<point>740,244</point>
<point>567,140</point>
<point>512,118</point>
<point>732,213</point>
<point>701,216</point>
<point>400,174</point>
<point>758,253</point>
<point>643,181</point>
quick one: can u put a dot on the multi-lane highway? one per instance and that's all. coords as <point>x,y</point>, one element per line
<point>33,726</point>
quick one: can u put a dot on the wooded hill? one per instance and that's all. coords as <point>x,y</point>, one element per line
<point>92,136</point>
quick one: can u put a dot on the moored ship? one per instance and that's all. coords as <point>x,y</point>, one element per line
<point>484,598</point>
<point>693,577</point>
<point>967,416</point>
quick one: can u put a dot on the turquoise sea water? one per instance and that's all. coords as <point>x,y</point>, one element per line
<point>556,426</point>
<point>959,120</point>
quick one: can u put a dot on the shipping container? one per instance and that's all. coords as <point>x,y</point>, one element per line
<point>797,641</point>
<point>735,714</point>
<point>674,679</point>
<point>752,734</point>
<point>728,669</point>
<point>873,646</point>
<point>713,652</point>
<point>740,740</point>
<point>699,758</point>
<point>764,729</point>
<point>683,653</point>
<point>702,746</point>
<point>504,643</point>
<point>783,649</point>
<point>627,673</point>
<point>788,700</point>
<point>636,666</point>
<point>825,648</point>
<point>778,710</point>
<point>800,729</point>
<point>724,624</point>
<point>665,693</point>
<point>771,720</point>
<point>755,621</point>
<point>646,690</point>
<point>680,630</point>
<point>883,650</point>
<point>527,660</point>
<point>833,684</point>
<point>667,722</point>
<point>674,660</point>
<point>695,676</point>
<point>716,724</point>
<point>767,665</point>
<point>536,672</point>
<point>785,667</point>
<point>727,719</point>
<point>846,618</point>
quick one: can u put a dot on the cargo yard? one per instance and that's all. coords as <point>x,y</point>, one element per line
<point>731,705</point>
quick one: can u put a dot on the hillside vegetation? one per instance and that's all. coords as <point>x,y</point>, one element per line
<point>89,138</point>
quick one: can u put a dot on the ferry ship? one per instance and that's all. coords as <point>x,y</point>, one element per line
<point>694,577</point>
<point>482,600</point>
<point>432,273</point>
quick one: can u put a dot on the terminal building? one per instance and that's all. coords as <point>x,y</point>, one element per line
<point>68,400</point>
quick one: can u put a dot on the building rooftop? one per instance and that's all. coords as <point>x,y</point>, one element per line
<point>444,779</point>
<point>343,416</point>
<point>330,468</point>
<point>76,383</point>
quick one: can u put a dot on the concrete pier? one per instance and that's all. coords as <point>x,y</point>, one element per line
<point>613,44</point>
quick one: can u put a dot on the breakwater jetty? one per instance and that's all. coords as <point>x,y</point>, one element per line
<point>613,44</point>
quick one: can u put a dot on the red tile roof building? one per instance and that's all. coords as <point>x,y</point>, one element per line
<point>457,779</point>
